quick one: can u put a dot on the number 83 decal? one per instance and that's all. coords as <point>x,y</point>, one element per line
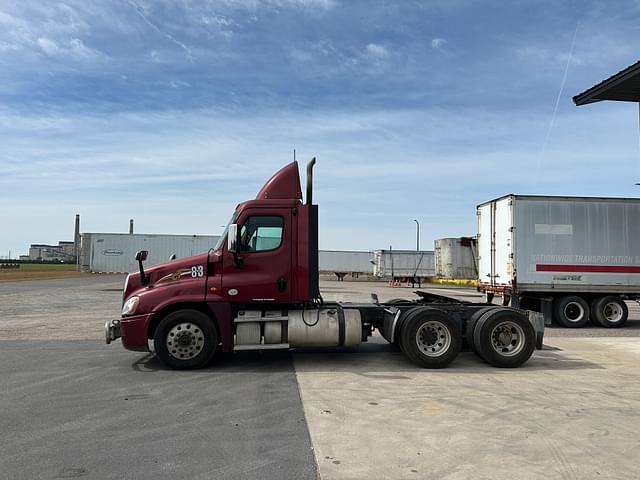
<point>197,271</point>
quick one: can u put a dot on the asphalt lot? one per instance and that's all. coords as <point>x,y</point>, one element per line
<point>78,409</point>
<point>74,407</point>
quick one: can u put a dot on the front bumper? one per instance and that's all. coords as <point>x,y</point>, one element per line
<point>132,330</point>
<point>111,330</point>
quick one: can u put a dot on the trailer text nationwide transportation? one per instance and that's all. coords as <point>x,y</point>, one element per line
<point>572,258</point>
<point>258,288</point>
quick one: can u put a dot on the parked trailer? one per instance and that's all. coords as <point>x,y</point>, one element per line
<point>404,265</point>
<point>343,262</point>
<point>115,252</point>
<point>259,289</point>
<point>456,258</point>
<point>572,258</point>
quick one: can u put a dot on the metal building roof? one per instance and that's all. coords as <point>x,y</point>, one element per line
<point>623,86</point>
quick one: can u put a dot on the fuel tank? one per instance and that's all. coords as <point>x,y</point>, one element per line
<point>324,327</point>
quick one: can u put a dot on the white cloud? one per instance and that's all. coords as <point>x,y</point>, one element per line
<point>217,20</point>
<point>101,164</point>
<point>310,4</point>
<point>377,51</point>
<point>438,43</point>
<point>48,46</point>
<point>179,84</point>
<point>73,48</point>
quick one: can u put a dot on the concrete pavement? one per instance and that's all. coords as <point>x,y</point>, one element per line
<point>571,412</point>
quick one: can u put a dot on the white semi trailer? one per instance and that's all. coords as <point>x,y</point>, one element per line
<point>571,258</point>
<point>404,265</point>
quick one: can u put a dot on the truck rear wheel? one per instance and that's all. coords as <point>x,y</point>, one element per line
<point>471,325</point>
<point>185,339</point>
<point>504,338</point>
<point>406,315</point>
<point>430,338</point>
<point>610,311</point>
<point>571,311</point>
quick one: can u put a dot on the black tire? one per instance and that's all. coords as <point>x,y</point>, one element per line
<point>571,311</point>
<point>471,324</point>
<point>505,338</point>
<point>398,301</point>
<point>430,338</point>
<point>593,306</point>
<point>397,338</point>
<point>185,339</point>
<point>610,311</point>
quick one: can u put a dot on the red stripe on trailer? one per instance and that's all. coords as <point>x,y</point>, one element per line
<point>588,268</point>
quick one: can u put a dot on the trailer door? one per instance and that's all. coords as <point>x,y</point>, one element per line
<point>503,240</point>
<point>485,242</point>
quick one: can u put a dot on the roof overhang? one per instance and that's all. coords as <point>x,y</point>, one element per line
<point>623,86</point>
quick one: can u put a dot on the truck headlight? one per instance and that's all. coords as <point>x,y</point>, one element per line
<point>130,306</point>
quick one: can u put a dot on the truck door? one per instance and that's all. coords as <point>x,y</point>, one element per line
<point>264,274</point>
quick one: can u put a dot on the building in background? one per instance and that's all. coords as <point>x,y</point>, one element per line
<point>115,252</point>
<point>40,252</point>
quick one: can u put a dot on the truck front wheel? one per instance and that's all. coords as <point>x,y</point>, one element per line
<point>185,339</point>
<point>610,311</point>
<point>430,338</point>
<point>571,311</point>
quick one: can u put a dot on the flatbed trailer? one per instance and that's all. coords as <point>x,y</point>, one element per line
<point>258,289</point>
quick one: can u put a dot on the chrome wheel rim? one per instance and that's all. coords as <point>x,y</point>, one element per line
<point>507,339</point>
<point>433,338</point>
<point>574,312</point>
<point>612,312</point>
<point>185,341</point>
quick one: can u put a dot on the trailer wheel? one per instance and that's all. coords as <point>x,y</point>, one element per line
<point>571,311</point>
<point>504,338</point>
<point>471,325</point>
<point>185,339</point>
<point>610,311</point>
<point>430,338</point>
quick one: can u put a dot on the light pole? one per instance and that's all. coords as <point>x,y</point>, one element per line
<point>417,235</point>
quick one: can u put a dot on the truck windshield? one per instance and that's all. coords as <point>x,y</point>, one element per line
<point>223,237</point>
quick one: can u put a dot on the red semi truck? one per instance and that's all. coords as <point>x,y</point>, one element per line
<point>258,288</point>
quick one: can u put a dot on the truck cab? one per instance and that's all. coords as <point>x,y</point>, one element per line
<point>258,288</point>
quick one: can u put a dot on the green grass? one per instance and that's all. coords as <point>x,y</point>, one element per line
<point>47,267</point>
<point>38,271</point>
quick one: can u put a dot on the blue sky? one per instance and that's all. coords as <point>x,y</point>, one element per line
<point>173,112</point>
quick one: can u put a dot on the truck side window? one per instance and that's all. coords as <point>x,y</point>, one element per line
<point>260,234</point>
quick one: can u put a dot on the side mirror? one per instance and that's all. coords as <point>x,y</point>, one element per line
<point>141,256</point>
<point>232,238</point>
<point>233,244</point>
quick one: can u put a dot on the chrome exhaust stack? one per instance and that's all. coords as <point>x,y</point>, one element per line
<point>310,165</point>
